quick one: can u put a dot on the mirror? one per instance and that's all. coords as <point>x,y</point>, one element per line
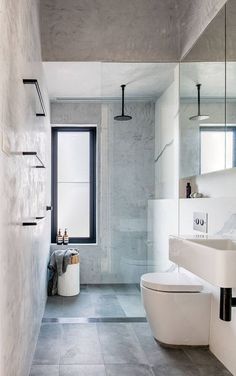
<point>230,84</point>
<point>204,143</point>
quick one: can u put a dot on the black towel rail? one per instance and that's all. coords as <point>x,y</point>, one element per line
<point>34,82</point>
<point>33,223</point>
<point>34,153</point>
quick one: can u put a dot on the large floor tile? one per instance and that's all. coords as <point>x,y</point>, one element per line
<point>175,358</point>
<point>128,370</point>
<point>50,331</point>
<point>54,307</point>
<point>82,370</point>
<point>115,300</point>
<point>100,289</point>
<point>201,356</point>
<point>47,352</point>
<point>49,345</point>
<point>120,344</point>
<point>131,305</point>
<point>78,306</point>
<point>177,370</point>
<point>44,370</point>
<point>107,306</point>
<point>211,370</point>
<point>126,289</point>
<point>80,345</point>
<point>158,355</point>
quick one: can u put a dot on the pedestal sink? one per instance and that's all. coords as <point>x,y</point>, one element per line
<point>213,259</point>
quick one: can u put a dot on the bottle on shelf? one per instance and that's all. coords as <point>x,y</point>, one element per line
<point>65,237</point>
<point>59,237</point>
<point>188,190</point>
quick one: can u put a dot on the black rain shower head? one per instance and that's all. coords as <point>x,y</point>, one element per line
<point>123,117</point>
<point>199,117</point>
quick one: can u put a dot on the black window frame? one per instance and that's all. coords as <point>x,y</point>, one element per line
<point>54,193</point>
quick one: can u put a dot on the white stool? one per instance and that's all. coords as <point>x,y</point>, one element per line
<point>69,282</point>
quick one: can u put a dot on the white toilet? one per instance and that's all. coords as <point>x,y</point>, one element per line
<point>177,309</point>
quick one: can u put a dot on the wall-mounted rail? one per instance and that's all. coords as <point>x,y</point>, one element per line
<point>227,302</point>
<point>33,223</point>
<point>34,153</point>
<point>36,84</point>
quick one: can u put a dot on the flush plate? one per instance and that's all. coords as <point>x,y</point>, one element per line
<point>200,222</point>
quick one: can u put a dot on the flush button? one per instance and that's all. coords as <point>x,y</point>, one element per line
<point>200,222</point>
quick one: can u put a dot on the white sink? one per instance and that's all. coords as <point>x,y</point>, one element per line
<point>211,259</point>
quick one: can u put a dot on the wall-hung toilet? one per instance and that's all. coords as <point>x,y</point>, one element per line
<point>177,309</point>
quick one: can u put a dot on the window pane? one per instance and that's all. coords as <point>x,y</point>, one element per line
<point>73,156</point>
<point>212,151</point>
<point>73,208</point>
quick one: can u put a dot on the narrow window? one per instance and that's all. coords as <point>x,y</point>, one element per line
<point>74,183</point>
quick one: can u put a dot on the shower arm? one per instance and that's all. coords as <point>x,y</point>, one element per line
<point>123,99</point>
<point>198,99</point>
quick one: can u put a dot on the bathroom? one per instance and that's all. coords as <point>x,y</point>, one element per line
<point>61,64</point>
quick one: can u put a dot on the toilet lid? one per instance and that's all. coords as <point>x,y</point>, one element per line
<point>175,282</point>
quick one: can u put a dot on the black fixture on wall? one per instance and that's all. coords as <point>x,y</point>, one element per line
<point>34,153</point>
<point>33,223</point>
<point>199,116</point>
<point>226,303</point>
<point>34,82</point>
<point>123,117</point>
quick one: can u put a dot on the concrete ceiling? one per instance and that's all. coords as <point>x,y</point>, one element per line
<point>122,30</point>
<point>92,80</point>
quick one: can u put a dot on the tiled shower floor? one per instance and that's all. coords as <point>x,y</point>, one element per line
<point>68,347</point>
<point>118,300</point>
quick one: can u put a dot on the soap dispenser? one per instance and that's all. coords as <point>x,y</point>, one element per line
<point>188,190</point>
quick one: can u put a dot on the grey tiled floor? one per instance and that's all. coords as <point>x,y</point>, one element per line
<point>115,349</point>
<point>118,300</point>
<point>110,349</point>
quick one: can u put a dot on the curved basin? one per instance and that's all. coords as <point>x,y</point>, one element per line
<point>213,260</point>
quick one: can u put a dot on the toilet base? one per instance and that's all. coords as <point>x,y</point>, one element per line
<point>178,318</point>
<point>170,346</point>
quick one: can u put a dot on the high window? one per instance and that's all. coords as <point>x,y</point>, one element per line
<point>74,183</point>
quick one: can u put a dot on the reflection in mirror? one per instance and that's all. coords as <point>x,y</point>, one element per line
<point>231,83</point>
<point>202,92</point>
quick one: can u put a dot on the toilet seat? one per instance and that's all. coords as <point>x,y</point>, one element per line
<point>170,282</point>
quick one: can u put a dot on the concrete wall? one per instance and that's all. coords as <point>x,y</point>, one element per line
<point>166,141</point>
<point>163,211</point>
<point>24,190</point>
<point>125,182</point>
